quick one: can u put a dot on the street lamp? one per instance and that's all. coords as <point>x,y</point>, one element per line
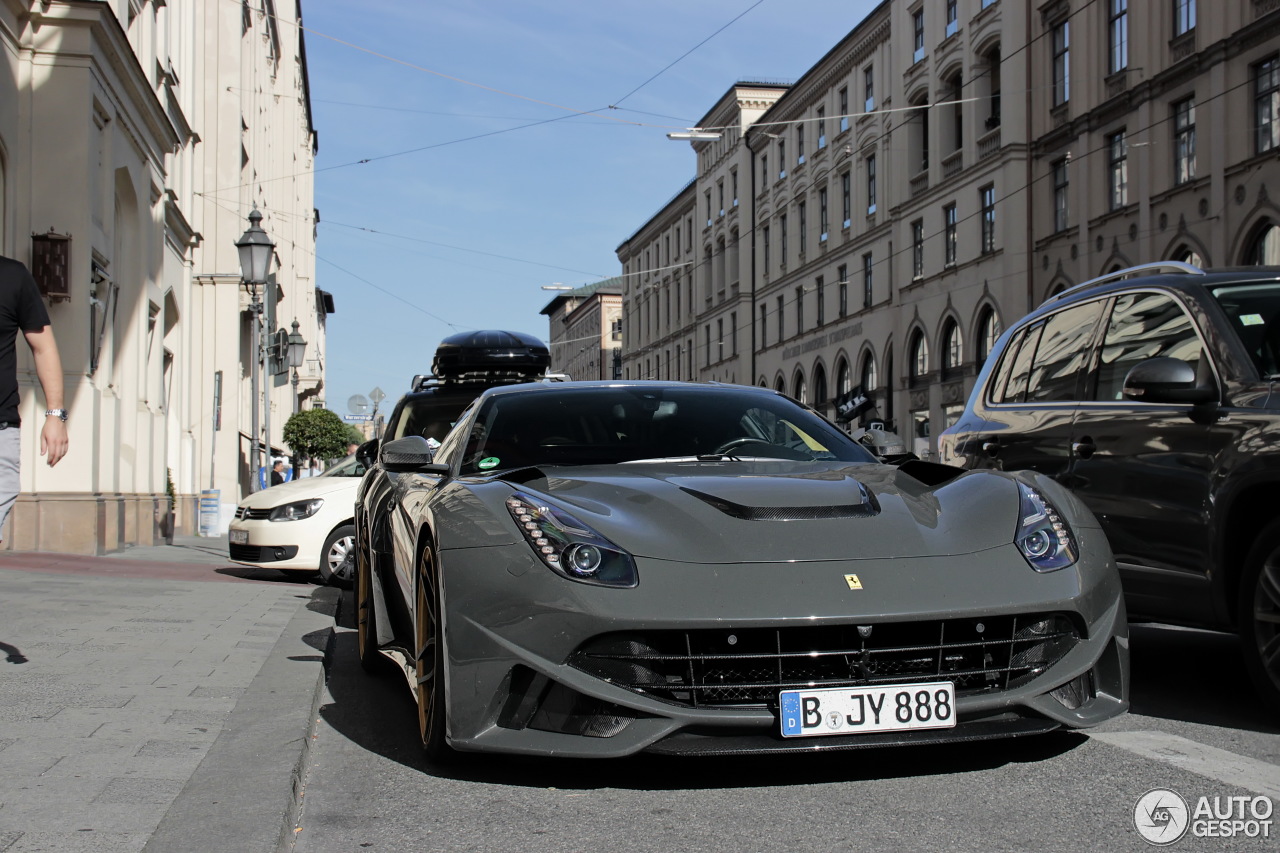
<point>297,349</point>
<point>256,251</point>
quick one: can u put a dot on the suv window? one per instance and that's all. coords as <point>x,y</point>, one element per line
<point>1062,352</point>
<point>1254,310</point>
<point>1142,326</point>
<point>1015,367</point>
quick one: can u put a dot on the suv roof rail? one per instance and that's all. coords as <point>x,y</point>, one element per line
<point>1141,269</point>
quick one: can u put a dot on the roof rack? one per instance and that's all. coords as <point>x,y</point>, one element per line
<point>1141,269</point>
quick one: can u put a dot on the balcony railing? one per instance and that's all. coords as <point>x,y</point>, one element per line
<point>919,183</point>
<point>953,163</point>
<point>989,143</point>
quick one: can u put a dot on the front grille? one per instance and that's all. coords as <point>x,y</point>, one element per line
<point>254,514</point>
<point>747,668</point>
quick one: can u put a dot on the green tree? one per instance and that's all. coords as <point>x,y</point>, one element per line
<point>354,435</point>
<point>317,433</point>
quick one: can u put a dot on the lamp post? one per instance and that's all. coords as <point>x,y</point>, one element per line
<point>256,251</point>
<point>297,349</point>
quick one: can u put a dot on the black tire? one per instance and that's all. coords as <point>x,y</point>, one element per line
<point>1259,615</point>
<point>429,660</point>
<point>366,624</point>
<point>337,558</point>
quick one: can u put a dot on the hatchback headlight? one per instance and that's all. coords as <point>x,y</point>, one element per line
<point>1043,536</point>
<point>296,511</point>
<point>569,547</point>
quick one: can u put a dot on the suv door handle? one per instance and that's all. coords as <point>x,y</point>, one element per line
<point>1084,448</point>
<point>991,448</point>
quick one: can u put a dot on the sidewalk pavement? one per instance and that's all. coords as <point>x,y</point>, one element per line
<point>157,699</point>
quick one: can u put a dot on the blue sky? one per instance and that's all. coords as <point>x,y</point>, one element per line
<point>441,232</point>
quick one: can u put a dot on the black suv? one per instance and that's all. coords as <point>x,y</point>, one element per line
<point>464,366</point>
<point>1154,394</point>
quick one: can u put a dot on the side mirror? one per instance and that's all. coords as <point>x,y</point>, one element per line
<point>367,453</point>
<point>1167,380</point>
<point>411,453</point>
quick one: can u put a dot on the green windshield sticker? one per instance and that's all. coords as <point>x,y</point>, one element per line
<point>488,462</point>
<point>1251,320</point>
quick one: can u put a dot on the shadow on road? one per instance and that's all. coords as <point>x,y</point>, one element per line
<point>378,713</point>
<point>1194,677</point>
<point>251,573</point>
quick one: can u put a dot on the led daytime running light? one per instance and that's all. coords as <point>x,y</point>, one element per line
<point>1043,536</point>
<point>569,547</point>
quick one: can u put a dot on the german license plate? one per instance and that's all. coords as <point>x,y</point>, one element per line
<point>239,537</point>
<point>858,710</point>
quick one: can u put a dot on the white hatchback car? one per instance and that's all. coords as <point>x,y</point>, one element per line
<point>304,525</point>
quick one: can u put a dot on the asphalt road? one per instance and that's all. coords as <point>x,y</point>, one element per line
<point>1195,729</point>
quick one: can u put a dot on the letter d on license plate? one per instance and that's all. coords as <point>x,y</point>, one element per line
<point>857,710</point>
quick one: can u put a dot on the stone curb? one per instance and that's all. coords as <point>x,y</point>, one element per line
<point>246,792</point>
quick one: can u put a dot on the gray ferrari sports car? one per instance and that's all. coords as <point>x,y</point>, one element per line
<point>600,569</point>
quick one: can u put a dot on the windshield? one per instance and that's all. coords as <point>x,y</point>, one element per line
<point>610,425</point>
<point>349,467</point>
<point>1254,310</point>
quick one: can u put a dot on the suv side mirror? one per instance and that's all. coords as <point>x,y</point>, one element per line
<point>1167,380</point>
<point>367,453</point>
<point>411,453</point>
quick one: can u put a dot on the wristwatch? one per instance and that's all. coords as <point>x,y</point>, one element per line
<point>56,413</point>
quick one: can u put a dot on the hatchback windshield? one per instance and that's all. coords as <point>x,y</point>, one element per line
<point>610,425</point>
<point>1254,310</point>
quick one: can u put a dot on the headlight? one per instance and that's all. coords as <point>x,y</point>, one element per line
<point>295,511</point>
<point>569,547</point>
<point>1043,537</point>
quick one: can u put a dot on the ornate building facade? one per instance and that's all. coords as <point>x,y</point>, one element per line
<point>938,173</point>
<point>135,138</point>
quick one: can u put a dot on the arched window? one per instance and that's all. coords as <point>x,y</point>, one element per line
<point>869,379</point>
<point>1264,248</point>
<point>952,349</point>
<point>798,388</point>
<point>780,385</point>
<point>843,383</point>
<point>1188,256</point>
<point>988,332</point>
<point>819,387</point>
<point>919,357</point>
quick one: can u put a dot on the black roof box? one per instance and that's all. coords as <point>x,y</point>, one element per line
<point>490,353</point>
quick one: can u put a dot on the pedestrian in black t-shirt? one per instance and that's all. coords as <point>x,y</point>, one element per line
<point>277,472</point>
<point>22,309</point>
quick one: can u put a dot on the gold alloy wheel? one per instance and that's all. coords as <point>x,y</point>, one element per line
<point>429,659</point>
<point>366,628</point>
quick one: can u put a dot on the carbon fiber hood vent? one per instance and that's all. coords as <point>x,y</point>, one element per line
<point>866,509</point>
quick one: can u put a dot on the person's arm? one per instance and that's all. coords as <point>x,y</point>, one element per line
<point>53,437</point>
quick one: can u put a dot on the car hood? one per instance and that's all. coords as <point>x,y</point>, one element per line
<point>782,511</point>
<point>300,490</point>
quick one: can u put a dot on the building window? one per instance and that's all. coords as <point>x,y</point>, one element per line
<point>733,333</point>
<point>782,158</point>
<point>799,310</point>
<point>822,127</point>
<point>843,284</point>
<point>822,215</point>
<point>706,337</point>
<point>764,325</point>
<point>764,238</point>
<point>1060,185</point>
<point>1062,63</point>
<point>949,235</point>
<point>917,28</point>
<point>781,305</point>
<point>1118,170</point>
<point>871,184</point>
<point>988,333</point>
<point>708,198</point>
<point>802,210</point>
<point>952,349</point>
<point>1184,16</point>
<point>764,169</point>
<point>1264,248</point>
<point>1118,36</point>
<point>720,195</point>
<point>846,198</point>
<point>844,109</point>
<point>953,17</point>
<point>987,198</point>
<point>868,296</point>
<point>917,249</point>
<point>918,136</point>
<point>733,175</point>
<point>1184,141</point>
<point>919,357</point>
<point>868,88</point>
<point>1266,104</point>
<point>956,95</point>
<point>800,145</point>
<point>820,287</point>
<point>782,227</point>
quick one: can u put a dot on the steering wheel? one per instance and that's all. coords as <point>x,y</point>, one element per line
<point>741,441</point>
<point>775,451</point>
